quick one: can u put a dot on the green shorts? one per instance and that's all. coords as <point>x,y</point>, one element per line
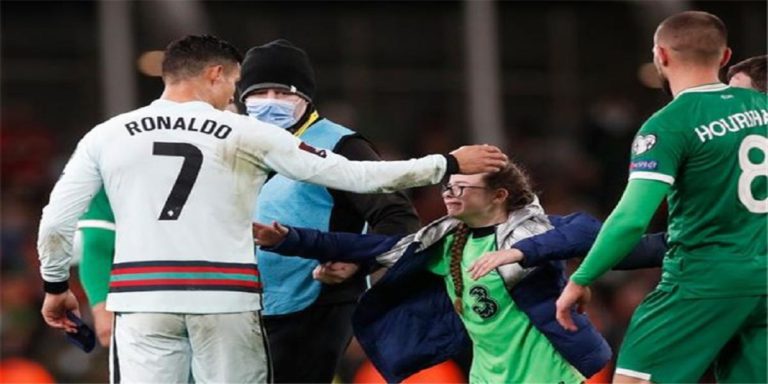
<point>675,340</point>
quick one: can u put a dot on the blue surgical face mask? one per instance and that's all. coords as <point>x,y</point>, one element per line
<point>272,111</point>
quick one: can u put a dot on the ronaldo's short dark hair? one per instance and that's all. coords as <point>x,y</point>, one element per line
<point>188,56</point>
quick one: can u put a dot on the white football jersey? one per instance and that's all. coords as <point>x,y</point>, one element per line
<point>182,179</point>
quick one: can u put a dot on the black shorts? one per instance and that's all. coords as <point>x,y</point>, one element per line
<point>306,346</point>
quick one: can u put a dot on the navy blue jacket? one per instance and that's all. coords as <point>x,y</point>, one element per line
<point>406,322</point>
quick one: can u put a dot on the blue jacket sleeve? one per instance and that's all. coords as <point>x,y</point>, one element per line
<point>334,246</point>
<point>572,236</point>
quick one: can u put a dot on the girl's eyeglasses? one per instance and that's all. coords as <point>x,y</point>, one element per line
<point>457,190</point>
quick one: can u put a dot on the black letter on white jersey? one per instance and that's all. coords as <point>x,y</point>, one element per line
<point>133,127</point>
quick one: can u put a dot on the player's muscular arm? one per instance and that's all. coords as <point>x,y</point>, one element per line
<point>287,155</point>
<point>70,197</point>
<point>280,151</point>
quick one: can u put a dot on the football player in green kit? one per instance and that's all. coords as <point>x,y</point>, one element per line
<point>707,153</point>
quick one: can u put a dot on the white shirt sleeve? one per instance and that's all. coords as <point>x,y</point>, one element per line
<point>290,157</point>
<point>69,200</point>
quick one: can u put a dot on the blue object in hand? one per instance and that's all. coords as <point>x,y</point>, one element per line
<point>84,338</point>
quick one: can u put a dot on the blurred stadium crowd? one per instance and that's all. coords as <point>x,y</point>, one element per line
<point>573,91</point>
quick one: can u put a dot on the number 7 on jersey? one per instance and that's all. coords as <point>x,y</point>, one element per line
<point>193,160</point>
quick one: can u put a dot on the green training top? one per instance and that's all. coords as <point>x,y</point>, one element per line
<point>711,145</point>
<point>507,348</point>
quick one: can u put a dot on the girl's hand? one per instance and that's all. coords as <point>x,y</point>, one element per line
<point>492,260</point>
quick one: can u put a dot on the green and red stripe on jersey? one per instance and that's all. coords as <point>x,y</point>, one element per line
<point>184,276</point>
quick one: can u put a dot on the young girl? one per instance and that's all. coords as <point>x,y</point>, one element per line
<point>441,288</point>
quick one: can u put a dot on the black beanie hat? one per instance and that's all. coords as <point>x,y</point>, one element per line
<point>277,64</point>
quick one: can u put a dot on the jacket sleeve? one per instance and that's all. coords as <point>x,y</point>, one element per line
<point>386,213</point>
<point>276,149</point>
<point>572,236</point>
<point>334,246</point>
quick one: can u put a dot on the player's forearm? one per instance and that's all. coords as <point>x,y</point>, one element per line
<point>54,242</point>
<point>370,177</point>
<point>619,236</point>
<point>391,176</point>
<point>54,248</point>
<point>622,230</point>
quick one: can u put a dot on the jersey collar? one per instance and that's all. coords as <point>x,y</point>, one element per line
<point>483,231</point>
<point>714,87</point>
<point>167,102</point>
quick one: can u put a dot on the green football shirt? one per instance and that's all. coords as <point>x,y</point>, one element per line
<point>711,145</point>
<point>507,348</point>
